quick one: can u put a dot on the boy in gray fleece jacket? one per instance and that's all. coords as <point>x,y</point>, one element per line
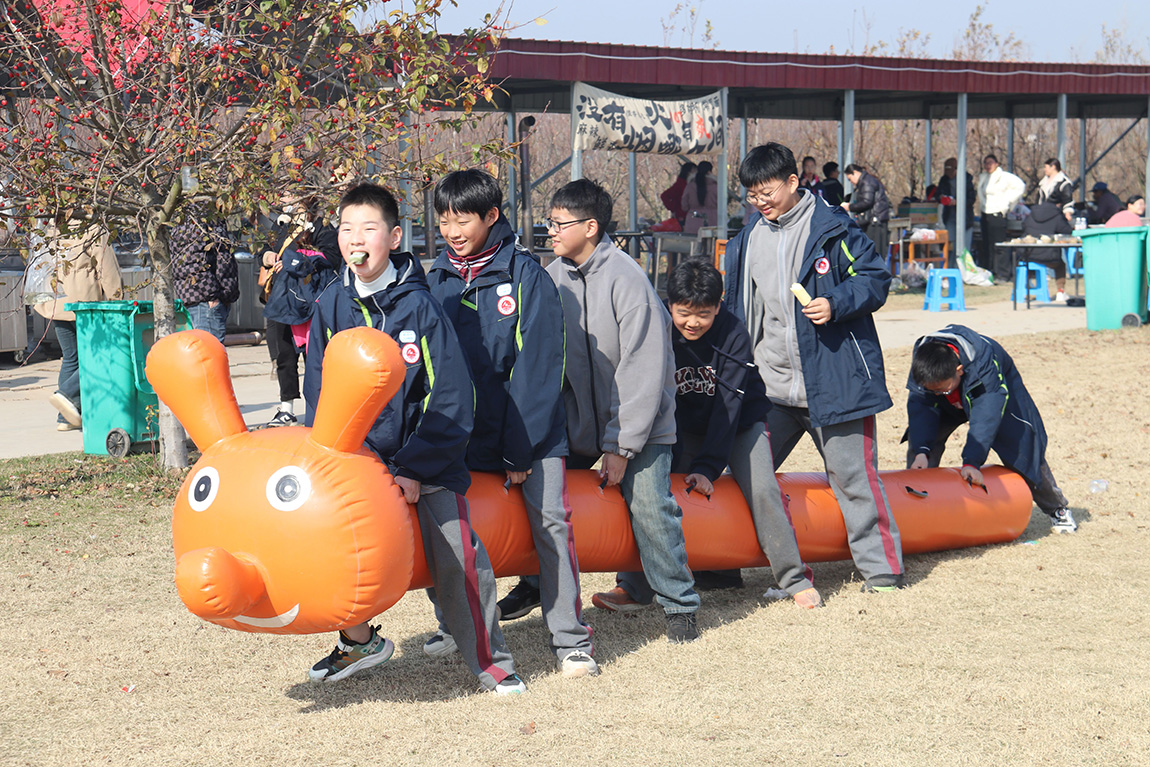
<point>619,395</point>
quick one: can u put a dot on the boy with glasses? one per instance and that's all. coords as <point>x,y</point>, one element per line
<point>806,280</point>
<point>620,397</point>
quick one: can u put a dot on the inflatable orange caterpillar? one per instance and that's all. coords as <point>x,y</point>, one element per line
<point>296,530</point>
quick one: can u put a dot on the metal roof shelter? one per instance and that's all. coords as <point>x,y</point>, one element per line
<point>536,75</point>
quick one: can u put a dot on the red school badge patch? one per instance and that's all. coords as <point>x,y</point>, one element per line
<point>410,353</point>
<point>823,265</point>
<point>506,306</point>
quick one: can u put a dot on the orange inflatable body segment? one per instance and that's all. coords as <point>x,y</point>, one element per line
<point>296,530</point>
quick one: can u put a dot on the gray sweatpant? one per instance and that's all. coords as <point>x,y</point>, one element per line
<point>464,584</point>
<point>850,457</point>
<point>753,469</point>
<point>545,495</point>
<point>1046,494</point>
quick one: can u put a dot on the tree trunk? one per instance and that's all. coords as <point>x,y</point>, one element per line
<point>173,440</point>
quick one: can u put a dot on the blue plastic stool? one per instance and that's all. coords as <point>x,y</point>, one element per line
<point>934,298</point>
<point>1073,255</point>
<point>1040,290</point>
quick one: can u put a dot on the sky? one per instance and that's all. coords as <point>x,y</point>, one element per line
<point>1054,30</point>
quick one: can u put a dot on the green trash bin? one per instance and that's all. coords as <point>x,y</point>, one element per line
<point>119,405</point>
<point>1114,262</point>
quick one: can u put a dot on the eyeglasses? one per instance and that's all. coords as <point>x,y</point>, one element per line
<point>559,226</point>
<point>756,198</point>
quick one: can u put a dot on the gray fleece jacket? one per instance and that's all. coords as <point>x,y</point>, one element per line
<point>619,389</point>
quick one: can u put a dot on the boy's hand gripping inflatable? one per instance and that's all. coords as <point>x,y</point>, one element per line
<point>296,530</point>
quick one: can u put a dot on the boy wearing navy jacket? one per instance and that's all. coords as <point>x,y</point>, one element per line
<point>818,355</point>
<point>720,415</point>
<point>509,319</point>
<point>421,434</point>
<point>957,375</point>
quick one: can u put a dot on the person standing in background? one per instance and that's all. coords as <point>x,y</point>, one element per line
<point>833,191</point>
<point>701,200</point>
<point>672,197</point>
<point>998,192</point>
<point>86,270</point>
<point>204,272</point>
<point>947,193</point>
<point>871,207</point>
<point>810,180</point>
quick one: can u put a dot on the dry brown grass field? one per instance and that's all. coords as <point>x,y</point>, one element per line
<point>1033,652</point>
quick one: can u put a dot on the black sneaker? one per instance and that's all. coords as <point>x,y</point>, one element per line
<point>282,418</point>
<point>681,627</point>
<point>878,584</point>
<point>519,601</point>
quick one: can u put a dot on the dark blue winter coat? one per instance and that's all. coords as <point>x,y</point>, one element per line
<point>841,360</point>
<point>718,392</point>
<point>297,285</point>
<point>422,433</point>
<point>1002,415</point>
<point>510,324</point>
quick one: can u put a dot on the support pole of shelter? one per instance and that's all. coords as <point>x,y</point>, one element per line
<point>1082,157</point>
<point>839,138</point>
<point>512,176</point>
<point>960,222</point>
<point>724,160</point>
<point>1062,129</point>
<point>1010,143</point>
<point>405,184</point>
<point>528,217</point>
<point>1146,193</point>
<point>632,200</point>
<point>576,154</point>
<point>848,143</point>
<point>928,159</point>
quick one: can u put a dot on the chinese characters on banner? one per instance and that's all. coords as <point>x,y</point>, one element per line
<point>605,120</point>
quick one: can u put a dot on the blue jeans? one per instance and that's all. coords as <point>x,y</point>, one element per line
<point>69,382</point>
<point>657,522</point>
<point>213,319</point>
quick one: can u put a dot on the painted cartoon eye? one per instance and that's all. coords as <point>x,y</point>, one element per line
<point>288,488</point>
<point>203,489</point>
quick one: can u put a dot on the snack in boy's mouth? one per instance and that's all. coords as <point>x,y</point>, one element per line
<point>357,258</point>
<point>801,294</point>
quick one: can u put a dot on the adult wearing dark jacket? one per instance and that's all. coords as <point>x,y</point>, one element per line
<point>947,193</point>
<point>821,363</point>
<point>1106,203</point>
<point>204,272</point>
<point>990,395</point>
<point>1046,218</point>
<point>291,293</point>
<point>833,191</point>
<point>870,206</point>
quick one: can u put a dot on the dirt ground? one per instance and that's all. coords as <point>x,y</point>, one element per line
<point>1033,652</point>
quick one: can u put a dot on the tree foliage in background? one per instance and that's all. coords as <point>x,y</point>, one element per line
<point>106,101</point>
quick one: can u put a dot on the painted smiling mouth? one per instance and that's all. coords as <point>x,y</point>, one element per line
<point>276,621</point>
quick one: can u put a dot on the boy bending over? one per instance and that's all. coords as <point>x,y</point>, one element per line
<point>957,375</point>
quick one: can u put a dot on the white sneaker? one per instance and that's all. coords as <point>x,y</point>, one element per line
<point>578,663</point>
<point>511,685</point>
<point>440,645</point>
<point>1060,298</point>
<point>1063,522</point>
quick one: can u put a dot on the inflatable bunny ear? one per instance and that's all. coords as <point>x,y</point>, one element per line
<point>189,371</point>
<point>362,370</point>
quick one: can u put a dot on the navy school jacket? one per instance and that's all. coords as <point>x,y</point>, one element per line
<point>718,391</point>
<point>510,325</point>
<point>422,433</point>
<point>842,360</point>
<point>1002,415</point>
<point>302,278</point>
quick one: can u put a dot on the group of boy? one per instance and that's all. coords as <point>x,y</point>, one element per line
<point>510,369</point>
